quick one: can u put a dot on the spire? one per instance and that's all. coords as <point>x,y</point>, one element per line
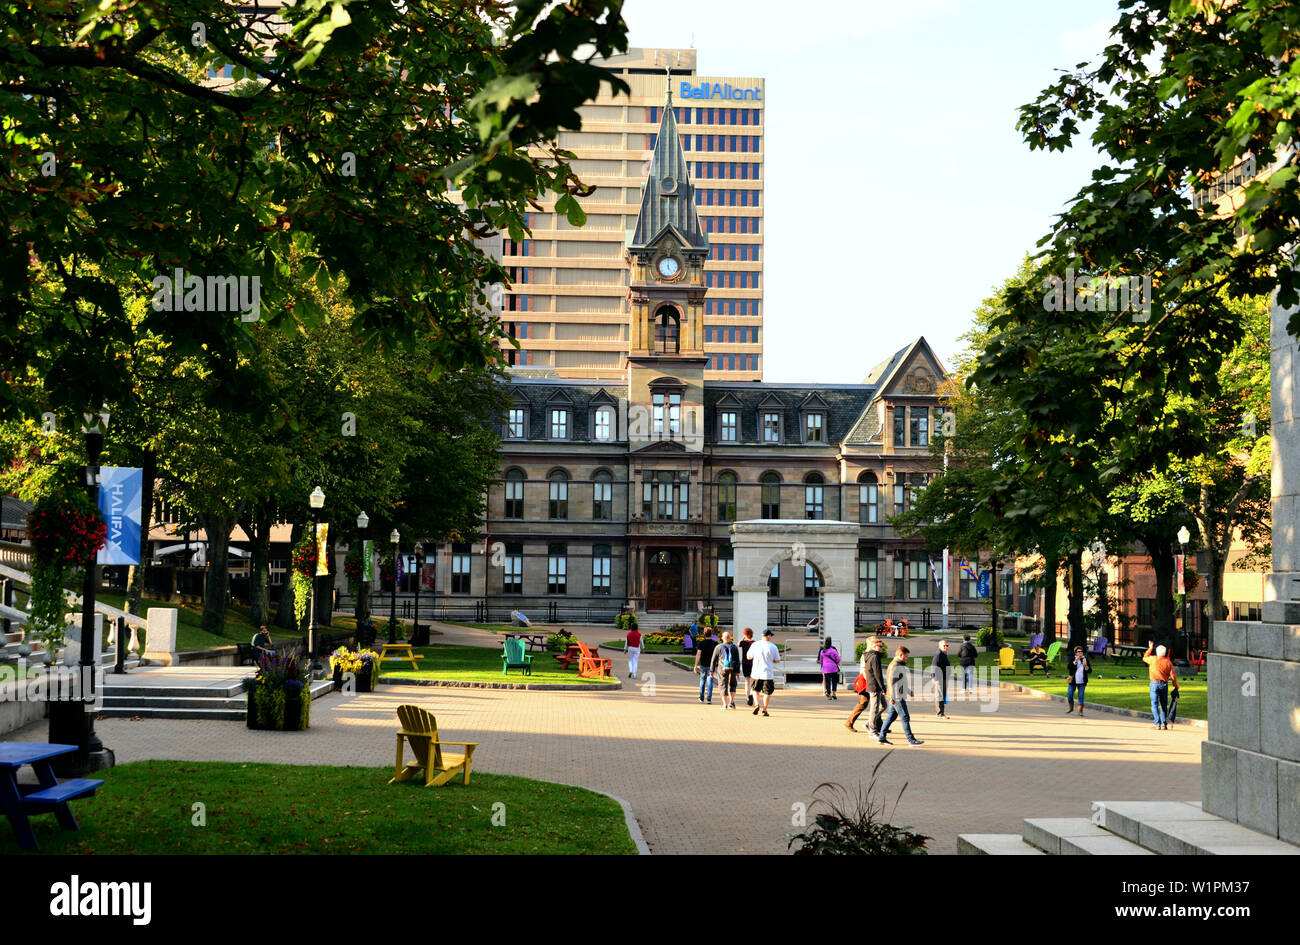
<point>668,199</point>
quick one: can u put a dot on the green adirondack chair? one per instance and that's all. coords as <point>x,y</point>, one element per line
<point>1054,651</point>
<point>515,658</point>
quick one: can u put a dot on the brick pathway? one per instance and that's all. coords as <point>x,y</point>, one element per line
<point>705,781</point>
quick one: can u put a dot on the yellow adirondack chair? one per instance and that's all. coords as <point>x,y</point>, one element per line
<point>421,730</point>
<point>1007,660</point>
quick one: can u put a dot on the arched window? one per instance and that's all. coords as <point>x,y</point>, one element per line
<point>814,506</point>
<point>559,504</point>
<point>771,495</point>
<point>667,331</point>
<point>727,497</point>
<point>812,579</point>
<point>602,496</point>
<point>868,498</point>
<point>514,493</point>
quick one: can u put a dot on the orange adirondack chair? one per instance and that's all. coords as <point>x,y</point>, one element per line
<point>592,666</point>
<point>421,730</point>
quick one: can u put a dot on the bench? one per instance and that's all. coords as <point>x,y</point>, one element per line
<point>59,793</point>
<point>247,654</point>
<point>17,801</point>
<point>570,655</point>
<point>534,641</point>
<point>401,652</point>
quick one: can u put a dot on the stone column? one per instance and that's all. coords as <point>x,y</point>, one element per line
<point>749,609</point>
<point>1250,770</point>
<point>837,607</point>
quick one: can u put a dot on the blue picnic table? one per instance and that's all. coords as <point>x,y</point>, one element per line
<point>50,795</point>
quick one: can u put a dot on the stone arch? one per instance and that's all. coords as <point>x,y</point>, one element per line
<point>811,554</point>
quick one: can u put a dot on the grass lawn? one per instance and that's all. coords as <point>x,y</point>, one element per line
<point>620,645</point>
<point>1103,686</point>
<point>481,664</point>
<point>147,807</point>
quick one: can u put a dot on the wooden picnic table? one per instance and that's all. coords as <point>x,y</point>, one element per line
<point>401,651</point>
<point>49,795</point>
<point>1122,650</point>
<point>535,641</point>
<point>573,654</point>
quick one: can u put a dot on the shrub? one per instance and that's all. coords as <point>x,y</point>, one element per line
<point>985,637</point>
<point>668,639</point>
<point>859,650</point>
<point>856,825</point>
<point>625,621</point>
<point>559,642</point>
<point>707,620</point>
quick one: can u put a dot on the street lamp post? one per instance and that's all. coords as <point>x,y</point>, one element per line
<point>1183,537</point>
<point>396,539</point>
<point>317,501</point>
<point>416,638</point>
<point>72,721</point>
<point>363,586</point>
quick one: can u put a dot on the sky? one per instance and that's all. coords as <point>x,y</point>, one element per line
<point>898,192</point>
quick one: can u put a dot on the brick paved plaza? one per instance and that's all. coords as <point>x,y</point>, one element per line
<point>703,781</point>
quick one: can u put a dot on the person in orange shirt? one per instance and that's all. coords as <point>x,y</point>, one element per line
<point>1160,669</point>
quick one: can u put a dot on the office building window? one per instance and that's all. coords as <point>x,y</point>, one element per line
<point>602,497</point>
<point>813,497</point>
<point>900,578</point>
<point>666,407</point>
<point>460,568</point>
<point>900,428</point>
<point>514,493</point>
<point>814,428</point>
<point>600,569</point>
<point>559,424</point>
<point>557,569</point>
<point>604,423</point>
<point>868,585</point>
<point>728,424</point>
<point>900,499</point>
<point>868,499</point>
<point>559,497</point>
<point>771,495</point>
<point>517,427</point>
<point>665,496</point>
<point>726,572</point>
<point>771,428</point>
<point>920,579</point>
<point>920,426</point>
<point>512,578</point>
<point>811,581</point>
<point>968,584</point>
<point>727,497</point>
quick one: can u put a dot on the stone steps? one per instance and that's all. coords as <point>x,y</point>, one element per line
<point>225,702</point>
<point>1130,828</point>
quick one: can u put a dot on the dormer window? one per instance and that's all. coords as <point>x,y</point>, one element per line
<point>728,426</point>
<point>559,423</point>
<point>814,428</point>
<point>602,423</point>
<point>517,423</point>
<point>771,425</point>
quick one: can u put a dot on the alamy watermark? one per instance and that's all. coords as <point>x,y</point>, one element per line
<point>37,682</point>
<point>189,293</point>
<point>1077,293</point>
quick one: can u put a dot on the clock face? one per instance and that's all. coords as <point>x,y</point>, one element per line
<point>669,267</point>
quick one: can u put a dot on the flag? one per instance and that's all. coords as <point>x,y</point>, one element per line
<point>120,490</point>
<point>322,549</point>
<point>967,570</point>
<point>934,572</point>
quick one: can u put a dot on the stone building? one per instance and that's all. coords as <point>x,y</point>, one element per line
<point>624,488</point>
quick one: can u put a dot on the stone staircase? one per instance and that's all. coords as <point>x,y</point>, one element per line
<point>171,697</point>
<point>661,620</point>
<point>1129,828</point>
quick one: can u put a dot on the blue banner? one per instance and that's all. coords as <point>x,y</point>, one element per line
<point>985,583</point>
<point>120,491</point>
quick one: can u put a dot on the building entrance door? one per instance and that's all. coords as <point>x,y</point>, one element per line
<point>664,582</point>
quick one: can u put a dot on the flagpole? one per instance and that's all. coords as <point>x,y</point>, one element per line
<point>945,589</point>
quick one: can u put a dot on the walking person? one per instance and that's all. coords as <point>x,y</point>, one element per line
<point>900,688</point>
<point>704,663</point>
<point>869,666</point>
<point>765,656</point>
<point>726,663</point>
<point>829,657</point>
<point>633,651</point>
<point>747,664</point>
<point>1160,670</point>
<point>1080,670</point>
<point>939,669</point>
<point>966,654</point>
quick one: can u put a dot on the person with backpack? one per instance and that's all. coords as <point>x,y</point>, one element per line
<point>829,657</point>
<point>704,663</point>
<point>966,654</point>
<point>874,686</point>
<point>726,663</point>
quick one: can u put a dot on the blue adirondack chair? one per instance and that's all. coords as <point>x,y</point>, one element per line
<point>514,657</point>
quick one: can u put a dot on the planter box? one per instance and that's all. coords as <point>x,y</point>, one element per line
<point>364,682</point>
<point>279,710</point>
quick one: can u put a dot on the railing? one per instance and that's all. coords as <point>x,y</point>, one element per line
<point>1239,175</point>
<point>18,557</point>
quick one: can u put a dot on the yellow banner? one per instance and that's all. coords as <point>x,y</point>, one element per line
<point>322,549</point>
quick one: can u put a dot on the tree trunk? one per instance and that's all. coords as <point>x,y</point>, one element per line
<point>1161,553</point>
<point>258,528</point>
<point>284,613</point>
<point>1051,568</point>
<point>136,573</point>
<point>217,530</point>
<point>1075,592</point>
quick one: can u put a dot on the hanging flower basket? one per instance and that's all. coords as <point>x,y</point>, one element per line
<point>304,573</point>
<point>65,530</point>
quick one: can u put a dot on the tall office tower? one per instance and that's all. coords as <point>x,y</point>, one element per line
<point>568,303</point>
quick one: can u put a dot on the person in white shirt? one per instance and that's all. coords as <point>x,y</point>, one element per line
<point>765,656</point>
